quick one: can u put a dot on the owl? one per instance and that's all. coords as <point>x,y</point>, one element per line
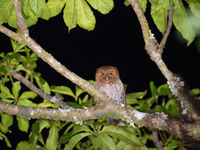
<point>107,80</point>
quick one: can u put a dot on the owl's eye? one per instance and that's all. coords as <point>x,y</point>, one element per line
<point>102,74</point>
<point>110,73</point>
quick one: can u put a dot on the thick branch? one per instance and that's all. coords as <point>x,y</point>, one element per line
<point>32,87</point>
<point>158,121</point>
<point>154,52</point>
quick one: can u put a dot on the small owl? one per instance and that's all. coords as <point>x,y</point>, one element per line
<point>108,81</point>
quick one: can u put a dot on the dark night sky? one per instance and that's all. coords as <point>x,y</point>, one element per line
<point>116,40</point>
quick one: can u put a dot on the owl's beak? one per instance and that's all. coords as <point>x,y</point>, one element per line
<point>107,77</point>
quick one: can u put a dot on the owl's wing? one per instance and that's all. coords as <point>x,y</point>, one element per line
<point>123,98</point>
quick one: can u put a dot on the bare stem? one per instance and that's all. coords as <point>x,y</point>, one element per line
<point>32,87</point>
<point>156,140</point>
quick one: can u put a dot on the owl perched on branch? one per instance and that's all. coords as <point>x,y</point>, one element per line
<point>107,80</point>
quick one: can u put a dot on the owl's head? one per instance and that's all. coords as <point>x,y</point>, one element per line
<point>107,74</point>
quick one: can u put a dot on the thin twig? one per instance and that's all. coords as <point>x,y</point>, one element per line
<point>156,140</point>
<point>20,20</point>
<point>32,87</point>
<point>169,25</point>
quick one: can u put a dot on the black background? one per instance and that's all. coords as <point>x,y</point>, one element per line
<point>116,40</point>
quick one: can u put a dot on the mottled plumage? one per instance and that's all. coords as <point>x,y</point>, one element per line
<point>108,81</point>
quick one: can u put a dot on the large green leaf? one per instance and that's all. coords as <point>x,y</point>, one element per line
<point>6,8</point>
<point>52,140</point>
<point>70,15</point>
<point>85,16</point>
<point>103,6</point>
<point>74,140</point>
<point>182,22</point>
<point>37,6</point>
<point>159,14</point>
<point>55,6</point>
<point>62,90</point>
<point>122,135</point>
<point>23,124</point>
<point>195,7</point>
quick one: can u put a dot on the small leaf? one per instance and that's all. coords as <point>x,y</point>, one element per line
<point>195,91</point>
<point>80,128</point>
<point>43,84</point>
<point>52,140</point>
<point>85,16</point>
<point>26,102</point>
<point>163,90</point>
<point>23,124</point>
<point>74,140</point>
<point>6,140</point>
<point>103,6</point>
<point>62,90</point>
<point>5,92</point>
<point>137,95</point>
<point>7,120</point>
<point>16,89</point>
<point>79,91</point>
<point>143,4</point>
<point>105,141</point>
<point>55,6</point>
<point>28,95</point>
<point>23,145</point>
<point>153,89</point>
<point>181,22</point>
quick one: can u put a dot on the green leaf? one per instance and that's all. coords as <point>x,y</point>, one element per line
<point>23,124</point>
<point>23,145</point>
<point>29,16</point>
<point>70,15</point>
<point>55,6</point>
<point>79,91</point>
<point>153,89</point>
<point>16,89</point>
<point>159,15</point>
<point>74,140</point>
<point>195,91</point>
<point>122,135</point>
<point>6,9</point>
<point>182,23</point>
<point>52,140</point>
<point>26,102</point>
<point>103,6</point>
<point>62,90</point>
<point>37,6</point>
<point>46,12</point>
<point>28,95</point>
<point>6,140</point>
<point>163,90</point>
<point>43,84</point>
<point>85,16</point>
<point>5,92</point>
<point>137,95</point>
<point>195,7</point>
<point>80,128</point>
<point>143,4</point>
<point>7,120</point>
<point>105,141</point>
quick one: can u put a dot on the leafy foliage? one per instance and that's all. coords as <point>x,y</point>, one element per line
<point>79,12</point>
<point>93,134</point>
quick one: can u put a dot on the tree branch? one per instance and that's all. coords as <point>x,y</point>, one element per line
<point>158,121</point>
<point>32,87</point>
<point>169,25</point>
<point>20,20</point>
<point>176,85</point>
<point>156,140</point>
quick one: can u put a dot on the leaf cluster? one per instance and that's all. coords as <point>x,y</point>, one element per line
<point>92,134</point>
